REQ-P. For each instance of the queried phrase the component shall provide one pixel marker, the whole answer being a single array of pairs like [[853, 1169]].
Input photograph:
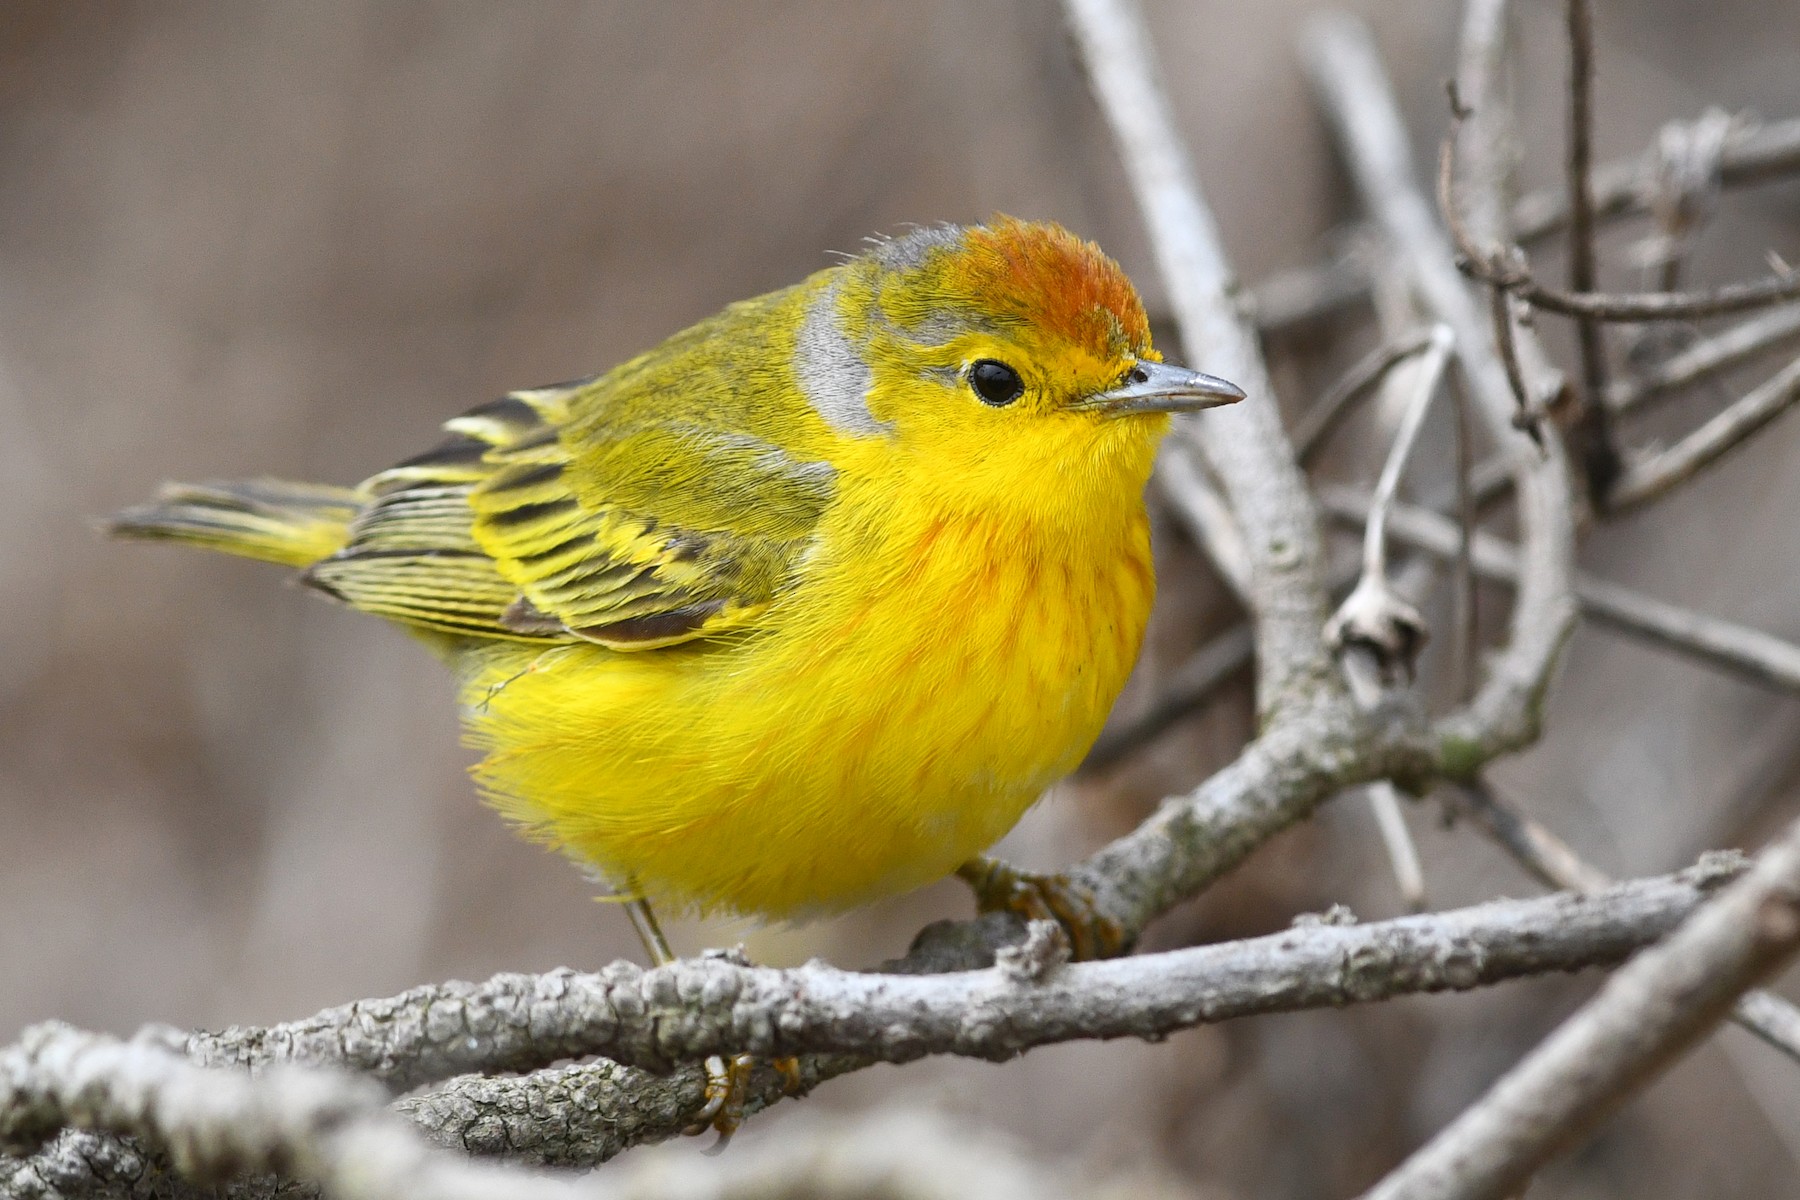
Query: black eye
[[995, 382]]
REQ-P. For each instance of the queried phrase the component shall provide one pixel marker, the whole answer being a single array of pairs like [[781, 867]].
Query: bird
[[801, 608]]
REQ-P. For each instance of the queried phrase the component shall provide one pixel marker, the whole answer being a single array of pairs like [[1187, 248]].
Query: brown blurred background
[[289, 239]]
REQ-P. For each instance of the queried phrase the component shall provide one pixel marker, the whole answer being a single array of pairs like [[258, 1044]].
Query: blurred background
[[259, 238]]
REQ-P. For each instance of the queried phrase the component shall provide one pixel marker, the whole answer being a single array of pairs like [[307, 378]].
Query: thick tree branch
[[330, 1133], [687, 1010]]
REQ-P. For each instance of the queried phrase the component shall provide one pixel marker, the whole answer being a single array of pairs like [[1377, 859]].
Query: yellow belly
[[888, 720]]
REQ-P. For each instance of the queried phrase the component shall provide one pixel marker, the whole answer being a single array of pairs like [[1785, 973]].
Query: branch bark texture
[[1643, 1018]]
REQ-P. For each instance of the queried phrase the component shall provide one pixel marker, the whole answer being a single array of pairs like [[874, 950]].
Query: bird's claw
[[1033, 897], [728, 1092]]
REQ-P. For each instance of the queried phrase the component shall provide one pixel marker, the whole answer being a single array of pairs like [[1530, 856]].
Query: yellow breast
[[939, 665]]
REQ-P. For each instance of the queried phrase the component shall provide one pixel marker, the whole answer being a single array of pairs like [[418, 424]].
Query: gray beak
[[1159, 387]]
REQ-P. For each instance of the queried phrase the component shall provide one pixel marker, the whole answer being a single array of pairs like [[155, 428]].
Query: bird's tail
[[296, 524]]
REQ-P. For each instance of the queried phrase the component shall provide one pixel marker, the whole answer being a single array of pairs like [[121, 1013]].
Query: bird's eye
[[995, 382]]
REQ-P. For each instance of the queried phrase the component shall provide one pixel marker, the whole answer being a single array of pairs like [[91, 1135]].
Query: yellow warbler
[[803, 607]]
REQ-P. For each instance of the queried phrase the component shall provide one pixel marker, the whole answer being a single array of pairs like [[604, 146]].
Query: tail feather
[[295, 524]]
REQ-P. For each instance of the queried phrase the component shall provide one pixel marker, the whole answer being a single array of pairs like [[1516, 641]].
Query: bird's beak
[[1160, 387]]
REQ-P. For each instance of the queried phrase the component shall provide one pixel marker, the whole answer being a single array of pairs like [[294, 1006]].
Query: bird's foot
[[1033, 897], [728, 1090], [727, 1079]]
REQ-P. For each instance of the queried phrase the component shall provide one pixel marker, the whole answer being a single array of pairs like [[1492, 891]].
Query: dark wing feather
[[507, 531]]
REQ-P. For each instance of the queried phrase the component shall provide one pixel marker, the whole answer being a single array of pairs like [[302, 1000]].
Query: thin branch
[[1592, 431], [1465, 615], [1656, 476], [1355, 385], [1545, 857], [1248, 452], [1303, 295], [1397, 841], [1196, 500], [1750, 155], [1506, 712], [1429, 374], [1717, 353], [1724, 645], [1195, 682], [1528, 415], [1375, 623], [1645, 1017], [1722, 301], [1372, 616], [1554, 863]]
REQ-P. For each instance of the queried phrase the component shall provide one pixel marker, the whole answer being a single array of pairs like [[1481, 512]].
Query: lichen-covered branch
[[684, 1011], [298, 1132]]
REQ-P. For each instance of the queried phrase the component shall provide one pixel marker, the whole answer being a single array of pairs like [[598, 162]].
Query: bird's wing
[[561, 513]]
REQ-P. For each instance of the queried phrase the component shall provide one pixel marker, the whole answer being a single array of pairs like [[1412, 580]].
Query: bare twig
[[1592, 430], [1717, 353], [1354, 385], [1656, 476], [1373, 617], [1196, 500], [1396, 840], [1503, 265], [1465, 617], [1552, 862], [1249, 454], [1751, 154], [1517, 278], [1192, 684], [1644, 1017], [1429, 374], [1506, 711], [1718, 643], [1545, 857]]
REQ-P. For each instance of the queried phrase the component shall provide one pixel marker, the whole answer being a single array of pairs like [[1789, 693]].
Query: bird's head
[[995, 350]]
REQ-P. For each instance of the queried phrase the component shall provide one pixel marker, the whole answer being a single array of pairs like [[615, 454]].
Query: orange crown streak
[[1063, 283]]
